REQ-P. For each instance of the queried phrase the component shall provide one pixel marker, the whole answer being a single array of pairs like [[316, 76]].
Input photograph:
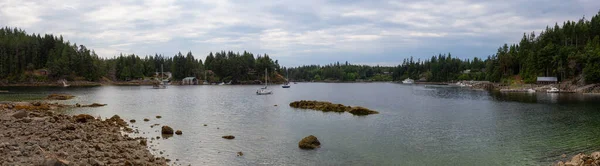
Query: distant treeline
[[34, 58], [568, 52]]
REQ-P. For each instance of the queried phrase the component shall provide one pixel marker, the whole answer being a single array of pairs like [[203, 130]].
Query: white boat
[[162, 83], [553, 90], [530, 91], [65, 83], [265, 90], [408, 81]]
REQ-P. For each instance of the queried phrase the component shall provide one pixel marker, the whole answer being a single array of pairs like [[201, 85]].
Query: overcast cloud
[[295, 32]]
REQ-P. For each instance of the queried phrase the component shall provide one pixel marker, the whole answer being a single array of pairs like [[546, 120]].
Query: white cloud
[[287, 28]]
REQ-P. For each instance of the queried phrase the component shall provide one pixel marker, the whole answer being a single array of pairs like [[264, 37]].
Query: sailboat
[[265, 90], [162, 84], [287, 80]]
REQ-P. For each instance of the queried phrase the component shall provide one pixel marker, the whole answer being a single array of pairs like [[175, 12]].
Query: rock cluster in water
[[310, 142], [42, 137], [581, 160], [59, 97], [330, 107]]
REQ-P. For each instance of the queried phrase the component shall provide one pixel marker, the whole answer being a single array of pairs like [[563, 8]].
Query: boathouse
[[189, 81], [547, 80]]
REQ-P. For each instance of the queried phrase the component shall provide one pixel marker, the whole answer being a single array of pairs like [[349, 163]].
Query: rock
[[228, 137], [166, 130], [68, 127], [595, 156], [36, 103], [94, 105], [563, 156], [83, 118], [55, 162], [144, 142], [158, 117], [576, 160], [132, 121], [20, 114], [361, 111], [59, 97], [95, 162], [560, 163], [205, 125], [330, 107], [178, 132], [275, 105], [146, 119], [310, 142], [240, 154]]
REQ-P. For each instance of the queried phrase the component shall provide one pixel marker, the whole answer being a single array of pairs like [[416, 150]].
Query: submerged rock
[[59, 97], [166, 130], [93, 105], [310, 142], [330, 107], [228, 137]]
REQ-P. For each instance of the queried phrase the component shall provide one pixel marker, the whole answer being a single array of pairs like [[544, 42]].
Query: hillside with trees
[[36, 58], [570, 51]]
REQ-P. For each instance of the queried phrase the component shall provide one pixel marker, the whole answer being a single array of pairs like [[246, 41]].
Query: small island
[[331, 107]]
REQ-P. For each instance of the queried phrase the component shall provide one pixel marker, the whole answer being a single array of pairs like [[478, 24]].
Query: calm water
[[417, 125]]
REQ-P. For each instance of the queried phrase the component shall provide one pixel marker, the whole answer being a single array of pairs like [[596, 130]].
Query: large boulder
[[166, 130], [310, 142]]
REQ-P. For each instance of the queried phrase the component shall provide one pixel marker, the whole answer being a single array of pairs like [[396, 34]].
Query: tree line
[[23, 56], [568, 52]]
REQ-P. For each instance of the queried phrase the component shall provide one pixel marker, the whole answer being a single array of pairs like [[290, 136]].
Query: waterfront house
[[189, 81], [547, 80]]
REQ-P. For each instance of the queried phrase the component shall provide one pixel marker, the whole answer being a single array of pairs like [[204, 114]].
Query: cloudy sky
[[294, 31]]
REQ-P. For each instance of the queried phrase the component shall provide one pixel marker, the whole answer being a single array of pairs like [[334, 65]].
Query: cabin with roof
[[189, 81], [547, 80]]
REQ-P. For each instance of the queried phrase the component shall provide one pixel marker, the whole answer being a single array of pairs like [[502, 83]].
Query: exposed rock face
[[178, 132], [330, 107], [228, 137], [310, 142], [49, 138], [59, 97], [166, 130]]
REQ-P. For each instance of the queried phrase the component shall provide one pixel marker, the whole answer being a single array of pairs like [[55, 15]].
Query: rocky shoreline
[[33, 134], [581, 159]]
